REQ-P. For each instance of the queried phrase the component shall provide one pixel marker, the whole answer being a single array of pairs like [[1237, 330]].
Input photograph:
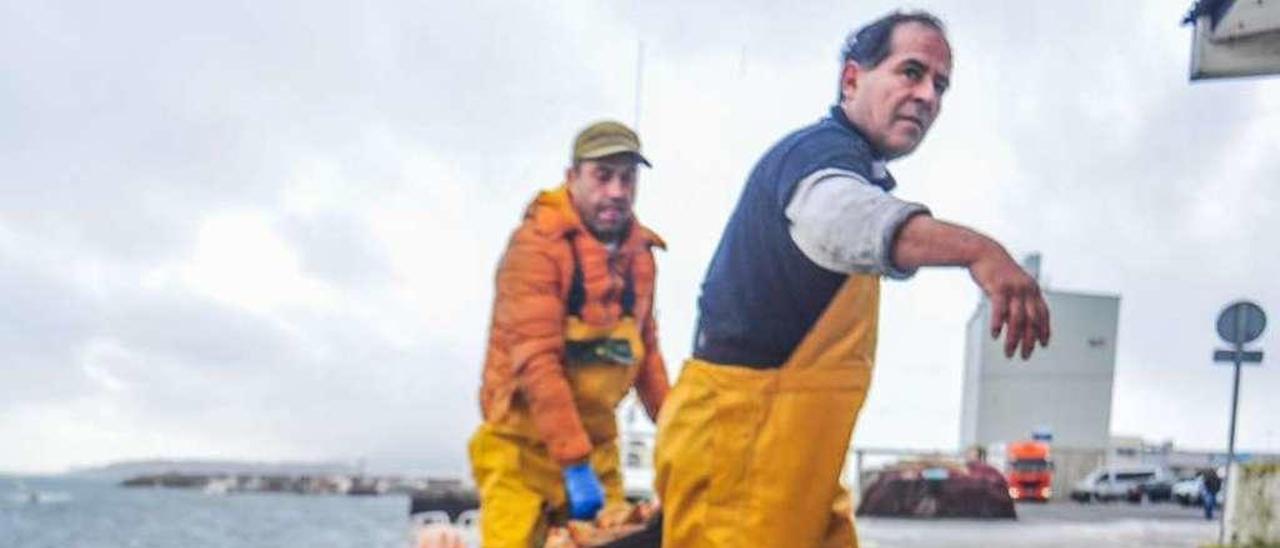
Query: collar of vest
[[836, 114], [880, 175], [553, 214]]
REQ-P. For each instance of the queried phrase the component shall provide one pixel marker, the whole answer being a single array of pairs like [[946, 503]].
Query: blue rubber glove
[[586, 495]]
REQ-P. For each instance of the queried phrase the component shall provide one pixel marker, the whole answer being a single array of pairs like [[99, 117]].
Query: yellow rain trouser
[[520, 486], [752, 457]]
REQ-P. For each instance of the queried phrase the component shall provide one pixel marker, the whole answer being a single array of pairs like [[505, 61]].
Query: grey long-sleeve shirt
[[843, 223]]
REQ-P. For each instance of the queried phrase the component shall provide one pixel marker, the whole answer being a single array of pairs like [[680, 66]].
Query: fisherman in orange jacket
[[572, 332]]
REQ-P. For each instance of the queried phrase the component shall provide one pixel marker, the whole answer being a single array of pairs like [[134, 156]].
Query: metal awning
[[1234, 39]]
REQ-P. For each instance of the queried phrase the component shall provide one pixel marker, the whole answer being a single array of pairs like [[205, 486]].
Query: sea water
[[69, 512]]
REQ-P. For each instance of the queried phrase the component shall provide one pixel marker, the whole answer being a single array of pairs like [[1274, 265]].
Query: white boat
[[219, 486]]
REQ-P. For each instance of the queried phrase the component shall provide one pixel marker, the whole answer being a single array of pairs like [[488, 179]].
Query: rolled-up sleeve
[[843, 223]]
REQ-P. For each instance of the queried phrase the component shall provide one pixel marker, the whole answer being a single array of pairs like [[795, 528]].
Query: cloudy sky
[[255, 231]]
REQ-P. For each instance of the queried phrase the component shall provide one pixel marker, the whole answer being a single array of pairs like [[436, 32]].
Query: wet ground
[[1056, 525]]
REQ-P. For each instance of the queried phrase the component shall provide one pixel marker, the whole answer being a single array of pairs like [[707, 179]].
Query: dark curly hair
[[869, 45]]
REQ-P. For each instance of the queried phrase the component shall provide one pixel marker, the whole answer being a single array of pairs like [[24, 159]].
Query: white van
[[1118, 482]]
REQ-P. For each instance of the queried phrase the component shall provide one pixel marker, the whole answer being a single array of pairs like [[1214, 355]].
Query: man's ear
[[849, 78]]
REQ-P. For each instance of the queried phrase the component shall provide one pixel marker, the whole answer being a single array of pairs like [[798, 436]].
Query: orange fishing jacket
[[524, 371]]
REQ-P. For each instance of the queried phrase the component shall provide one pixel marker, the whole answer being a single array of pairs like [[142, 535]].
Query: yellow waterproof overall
[[519, 484], [752, 457]]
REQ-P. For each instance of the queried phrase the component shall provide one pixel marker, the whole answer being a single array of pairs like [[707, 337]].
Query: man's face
[[894, 103], [603, 191]]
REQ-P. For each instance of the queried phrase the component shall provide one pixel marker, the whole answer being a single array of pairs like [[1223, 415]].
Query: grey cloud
[[194, 332], [40, 315], [339, 248]]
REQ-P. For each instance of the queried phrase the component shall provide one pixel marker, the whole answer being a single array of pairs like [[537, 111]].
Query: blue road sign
[[1241, 322], [1231, 356]]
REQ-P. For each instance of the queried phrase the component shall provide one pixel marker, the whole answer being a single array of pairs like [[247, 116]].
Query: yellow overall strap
[[752, 457], [800, 451]]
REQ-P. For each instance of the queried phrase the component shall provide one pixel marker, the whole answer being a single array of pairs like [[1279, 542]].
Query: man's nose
[[615, 188], [927, 95]]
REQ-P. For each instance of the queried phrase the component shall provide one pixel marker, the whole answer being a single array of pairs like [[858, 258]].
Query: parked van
[[1117, 483]]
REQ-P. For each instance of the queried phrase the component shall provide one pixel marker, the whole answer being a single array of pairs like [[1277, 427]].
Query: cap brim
[[612, 150]]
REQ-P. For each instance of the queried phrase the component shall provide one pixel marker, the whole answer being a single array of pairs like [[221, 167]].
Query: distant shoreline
[[305, 484]]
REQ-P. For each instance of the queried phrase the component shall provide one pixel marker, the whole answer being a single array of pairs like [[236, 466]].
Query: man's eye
[[913, 73]]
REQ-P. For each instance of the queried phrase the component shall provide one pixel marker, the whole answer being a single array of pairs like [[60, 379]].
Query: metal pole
[[857, 474], [1231, 435], [639, 79], [1231, 449], [635, 18]]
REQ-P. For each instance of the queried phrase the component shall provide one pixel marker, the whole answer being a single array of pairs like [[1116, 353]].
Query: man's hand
[[585, 493], [1016, 301]]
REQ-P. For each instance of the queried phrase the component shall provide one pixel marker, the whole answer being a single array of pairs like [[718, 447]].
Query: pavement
[[1063, 524]]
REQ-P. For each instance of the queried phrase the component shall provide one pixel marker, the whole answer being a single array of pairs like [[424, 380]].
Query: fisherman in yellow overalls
[[753, 437], [572, 333]]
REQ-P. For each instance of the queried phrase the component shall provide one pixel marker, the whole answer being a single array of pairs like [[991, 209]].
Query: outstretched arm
[[1017, 305]]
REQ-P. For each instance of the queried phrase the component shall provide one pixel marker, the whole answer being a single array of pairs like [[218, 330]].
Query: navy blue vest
[[761, 294]]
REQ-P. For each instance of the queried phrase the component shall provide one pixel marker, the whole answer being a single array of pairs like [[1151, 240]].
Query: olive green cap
[[607, 138]]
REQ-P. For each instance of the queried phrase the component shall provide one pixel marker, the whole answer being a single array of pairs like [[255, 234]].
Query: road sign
[[1241, 322], [1232, 356]]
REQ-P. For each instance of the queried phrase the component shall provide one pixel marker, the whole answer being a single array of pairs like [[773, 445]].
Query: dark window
[[1030, 465]]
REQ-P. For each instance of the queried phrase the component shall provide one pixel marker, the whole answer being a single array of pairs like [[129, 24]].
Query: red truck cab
[[1029, 470]]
